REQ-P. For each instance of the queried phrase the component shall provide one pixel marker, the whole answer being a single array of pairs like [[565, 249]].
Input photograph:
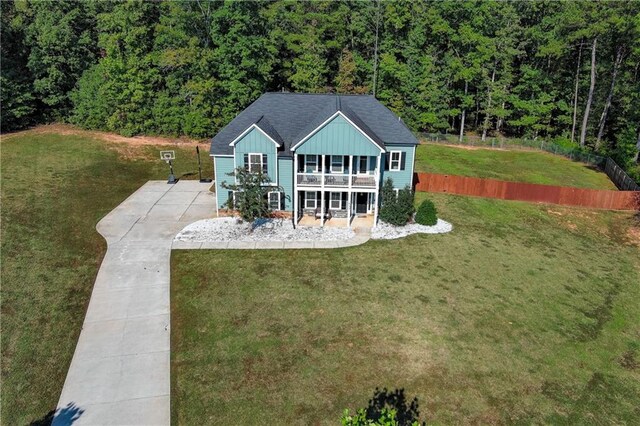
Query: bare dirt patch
[[472, 147], [66, 129], [633, 235]]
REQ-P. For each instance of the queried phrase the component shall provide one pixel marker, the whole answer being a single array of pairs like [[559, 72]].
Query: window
[[364, 162], [274, 200], [336, 201], [255, 162], [337, 164], [310, 201], [396, 160], [311, 162]]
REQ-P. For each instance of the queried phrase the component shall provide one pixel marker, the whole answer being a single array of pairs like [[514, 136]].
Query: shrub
[[396, 209], [387, 418], [426, 214], [405, 202]]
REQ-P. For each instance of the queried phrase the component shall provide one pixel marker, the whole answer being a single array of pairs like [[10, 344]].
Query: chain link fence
[[617, 175]]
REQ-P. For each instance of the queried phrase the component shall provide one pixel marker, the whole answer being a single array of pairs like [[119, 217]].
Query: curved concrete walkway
[[119, 373]]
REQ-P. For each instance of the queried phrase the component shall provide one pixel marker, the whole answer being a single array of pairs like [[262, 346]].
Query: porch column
[[375, 209], [349, 207], [377, 193], [322, 207], [349, 185], [295, 189]]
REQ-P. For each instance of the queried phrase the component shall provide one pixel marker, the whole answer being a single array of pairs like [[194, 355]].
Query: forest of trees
[[563, 71]]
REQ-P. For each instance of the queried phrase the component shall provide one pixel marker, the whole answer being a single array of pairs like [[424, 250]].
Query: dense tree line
[[563, 70]]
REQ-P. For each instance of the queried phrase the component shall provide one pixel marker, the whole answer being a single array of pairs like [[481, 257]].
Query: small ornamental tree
[[251, 194], [426, 214], [396, 209]]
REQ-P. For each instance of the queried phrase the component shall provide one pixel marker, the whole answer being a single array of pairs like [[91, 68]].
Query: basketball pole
[[172, 178], [199, 163], [200, 167]]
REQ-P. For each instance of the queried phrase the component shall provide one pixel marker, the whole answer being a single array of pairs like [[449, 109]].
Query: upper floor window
[[255, 162], [311, 163], [395, 160], [363, 165], [337, 164]]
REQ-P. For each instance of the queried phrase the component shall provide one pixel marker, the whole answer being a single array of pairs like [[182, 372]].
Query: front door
[[362, 199]]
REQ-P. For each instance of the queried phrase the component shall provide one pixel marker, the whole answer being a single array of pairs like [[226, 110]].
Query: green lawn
[[523, 314], [54, 190], [520, 166]]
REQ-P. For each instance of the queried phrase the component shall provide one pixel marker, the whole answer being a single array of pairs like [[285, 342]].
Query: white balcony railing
[[313, 179], [363, 181], [335, 180]]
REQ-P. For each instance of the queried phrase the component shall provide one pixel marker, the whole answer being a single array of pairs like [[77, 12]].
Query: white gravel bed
[[233, 229], [384, 231]]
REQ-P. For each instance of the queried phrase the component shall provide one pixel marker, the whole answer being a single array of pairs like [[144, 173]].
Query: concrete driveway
[[119, 373]]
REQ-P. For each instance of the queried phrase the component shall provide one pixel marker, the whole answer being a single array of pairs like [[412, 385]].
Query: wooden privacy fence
[[564, 195]]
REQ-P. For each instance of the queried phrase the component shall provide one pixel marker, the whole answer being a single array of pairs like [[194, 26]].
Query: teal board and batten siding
[[285, 180], [222, 166], [338, 137], [256, 142], [404, 177]]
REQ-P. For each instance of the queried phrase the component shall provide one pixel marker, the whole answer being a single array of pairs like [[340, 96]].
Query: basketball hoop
[[168, 157]]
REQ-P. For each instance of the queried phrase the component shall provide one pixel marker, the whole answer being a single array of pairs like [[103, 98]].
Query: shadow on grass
[[407, 412], [60, 417]]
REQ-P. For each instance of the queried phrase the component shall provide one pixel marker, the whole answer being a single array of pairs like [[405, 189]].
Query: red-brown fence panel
[[564, 195]]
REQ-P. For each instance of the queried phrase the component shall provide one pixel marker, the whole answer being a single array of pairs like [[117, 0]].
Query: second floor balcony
[[336, 180], [337, 170]]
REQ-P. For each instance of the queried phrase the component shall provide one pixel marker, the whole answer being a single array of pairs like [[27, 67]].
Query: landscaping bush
[[426, 214], [396, 209], [405, 202], [387, 418]]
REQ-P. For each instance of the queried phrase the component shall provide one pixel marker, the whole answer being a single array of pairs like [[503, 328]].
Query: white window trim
[[306, 156], [279, 194], [391, 160], [307, 199], [339, 200], [341, 170], [259, 154]]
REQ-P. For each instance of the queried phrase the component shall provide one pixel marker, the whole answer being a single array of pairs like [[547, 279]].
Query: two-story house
[[326, 155]]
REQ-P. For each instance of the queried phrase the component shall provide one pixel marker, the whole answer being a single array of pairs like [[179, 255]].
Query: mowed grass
[[54, 190], [519, 166], [523, 314]]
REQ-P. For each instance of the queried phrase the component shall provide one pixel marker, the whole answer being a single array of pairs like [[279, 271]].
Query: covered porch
[[336, 208]]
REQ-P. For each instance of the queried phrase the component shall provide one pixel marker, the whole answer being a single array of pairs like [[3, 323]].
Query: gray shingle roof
[[289, 117]]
